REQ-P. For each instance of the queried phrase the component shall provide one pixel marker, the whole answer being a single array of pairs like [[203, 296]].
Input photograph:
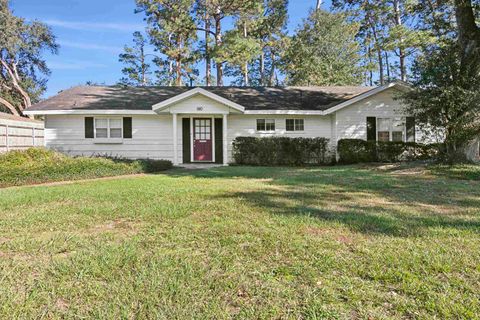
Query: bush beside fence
[[281, 151]]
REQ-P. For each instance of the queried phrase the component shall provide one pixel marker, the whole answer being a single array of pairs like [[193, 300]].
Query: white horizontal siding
[[246, 126], [351, 121], [151, 138]]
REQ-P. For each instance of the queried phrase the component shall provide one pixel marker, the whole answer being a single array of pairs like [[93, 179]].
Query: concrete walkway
[[194, 166]]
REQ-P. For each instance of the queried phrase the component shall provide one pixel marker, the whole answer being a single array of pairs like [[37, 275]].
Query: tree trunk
[[468, 36], [15, 78], [262, 68], [401, 52], [380, 66], [370, 72], [170, 72], [208, 62], [378, 49], [272, 70], [178, 72], [218, 42], [245, 66], [9, 106], [319, 4], [144, 71], [387, 64]]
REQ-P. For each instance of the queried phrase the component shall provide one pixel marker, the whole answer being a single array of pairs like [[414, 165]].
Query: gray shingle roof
[[252, 98]]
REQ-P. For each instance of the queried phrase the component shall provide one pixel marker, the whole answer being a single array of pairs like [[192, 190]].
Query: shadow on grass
[[362, 199]]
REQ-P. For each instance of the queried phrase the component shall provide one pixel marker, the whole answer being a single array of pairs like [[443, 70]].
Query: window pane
[[290, 124], [115, 133], [299, 125], [101, 133], [260, 124], [269, 124], [383, 124], [383, 135], [101, 123], [397, 135], [115, 123], [398, 124]]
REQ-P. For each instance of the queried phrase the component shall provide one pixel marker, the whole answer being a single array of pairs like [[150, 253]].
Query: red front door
[[202, 139]]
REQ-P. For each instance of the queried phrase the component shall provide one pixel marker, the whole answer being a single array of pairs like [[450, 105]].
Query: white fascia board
[[165, 104], [287, 112], [400, 85], [93, 112]]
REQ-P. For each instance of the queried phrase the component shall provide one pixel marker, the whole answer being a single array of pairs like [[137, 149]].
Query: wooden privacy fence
[[20, 135]]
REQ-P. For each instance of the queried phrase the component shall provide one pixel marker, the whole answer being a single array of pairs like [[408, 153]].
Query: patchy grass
[[38, 165], [318, 243], [461, 171]]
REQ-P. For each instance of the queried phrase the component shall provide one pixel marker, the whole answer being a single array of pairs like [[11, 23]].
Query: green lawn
[[318, 243]]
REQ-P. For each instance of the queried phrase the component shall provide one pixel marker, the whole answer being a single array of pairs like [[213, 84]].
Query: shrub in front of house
[[39, 165], [361, 151], [281, 151]]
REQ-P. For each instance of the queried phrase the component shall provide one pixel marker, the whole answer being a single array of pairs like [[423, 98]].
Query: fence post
[[6, 137], [33, 136]]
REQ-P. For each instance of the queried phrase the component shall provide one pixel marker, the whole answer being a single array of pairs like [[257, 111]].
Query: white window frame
[[295, 125], [390, 127], [266, 131], [108, 138]]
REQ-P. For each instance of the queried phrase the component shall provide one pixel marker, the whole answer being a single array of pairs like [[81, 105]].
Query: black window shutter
[[89, 133], [186, 140], [410, 126], [371, 129], [218, 140], [127, 127]]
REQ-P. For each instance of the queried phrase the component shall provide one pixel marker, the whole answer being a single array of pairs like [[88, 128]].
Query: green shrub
[[361, 151], [38, 165], [281, 151], [152, 166]]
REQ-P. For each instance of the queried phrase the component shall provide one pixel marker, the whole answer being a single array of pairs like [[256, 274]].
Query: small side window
[[294, 124], [266, 125]]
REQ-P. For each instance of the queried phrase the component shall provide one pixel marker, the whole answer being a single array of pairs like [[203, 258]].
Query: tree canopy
[[22, 67]]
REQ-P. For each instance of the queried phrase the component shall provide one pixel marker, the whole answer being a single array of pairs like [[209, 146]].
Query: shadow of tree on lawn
[[362, 199]]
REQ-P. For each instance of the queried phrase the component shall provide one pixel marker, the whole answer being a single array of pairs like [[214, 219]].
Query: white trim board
[[89, 112]]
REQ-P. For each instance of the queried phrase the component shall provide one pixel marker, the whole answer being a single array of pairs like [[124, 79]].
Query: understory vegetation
[[361, 151], [341, 242], [38, 165]]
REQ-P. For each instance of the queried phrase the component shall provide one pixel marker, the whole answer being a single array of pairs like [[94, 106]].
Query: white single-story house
[[199, 124]]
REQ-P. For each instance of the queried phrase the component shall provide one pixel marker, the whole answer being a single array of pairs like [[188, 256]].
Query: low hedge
[[39, 165], [358, 151], [275, 151]]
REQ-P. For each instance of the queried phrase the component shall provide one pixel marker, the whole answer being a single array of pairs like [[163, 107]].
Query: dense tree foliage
[[323, 52], [446, 82], [21, 64], [137, 68]]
